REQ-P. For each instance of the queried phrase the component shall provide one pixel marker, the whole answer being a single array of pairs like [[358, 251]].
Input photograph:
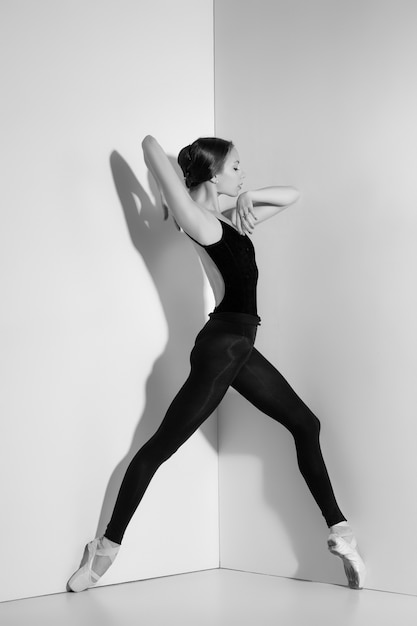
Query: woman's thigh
[[215, 360], [263, 385]]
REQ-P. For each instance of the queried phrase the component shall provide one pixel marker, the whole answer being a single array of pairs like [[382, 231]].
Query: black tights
[[224, 356]]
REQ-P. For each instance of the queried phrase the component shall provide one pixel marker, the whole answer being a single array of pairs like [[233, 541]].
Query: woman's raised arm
[[186, 212], [258, 205]]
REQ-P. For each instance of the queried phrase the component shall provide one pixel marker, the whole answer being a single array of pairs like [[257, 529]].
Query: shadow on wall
[[174, 268]]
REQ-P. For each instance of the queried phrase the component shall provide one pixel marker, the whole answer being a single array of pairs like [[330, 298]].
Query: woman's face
[[230, 178]]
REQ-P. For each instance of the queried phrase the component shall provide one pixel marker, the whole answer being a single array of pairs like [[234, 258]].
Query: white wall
[[100, 299], [95, 340], [322, 95]]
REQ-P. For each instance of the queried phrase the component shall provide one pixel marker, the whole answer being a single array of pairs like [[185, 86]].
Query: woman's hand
[[243, 216]]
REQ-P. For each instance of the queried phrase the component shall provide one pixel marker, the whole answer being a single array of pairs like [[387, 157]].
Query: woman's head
[[203, 159]]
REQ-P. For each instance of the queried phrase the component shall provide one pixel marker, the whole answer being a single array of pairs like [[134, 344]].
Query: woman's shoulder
[[209, 228]]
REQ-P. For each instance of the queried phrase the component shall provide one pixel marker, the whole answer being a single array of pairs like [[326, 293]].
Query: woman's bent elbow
[[294, 196], [147, 141]]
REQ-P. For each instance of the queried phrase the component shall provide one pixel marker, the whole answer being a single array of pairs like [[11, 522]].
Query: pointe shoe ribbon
[[355, 569], [85, 576]]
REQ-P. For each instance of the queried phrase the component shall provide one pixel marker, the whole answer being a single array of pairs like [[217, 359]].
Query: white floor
[[216, 597]]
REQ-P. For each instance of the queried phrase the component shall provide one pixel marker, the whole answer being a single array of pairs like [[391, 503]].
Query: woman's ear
[[214, 180]]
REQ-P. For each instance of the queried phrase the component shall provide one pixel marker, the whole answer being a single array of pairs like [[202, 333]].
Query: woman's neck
[[206, 196]]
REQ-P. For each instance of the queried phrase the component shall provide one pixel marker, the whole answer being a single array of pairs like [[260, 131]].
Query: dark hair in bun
[[203, 159]]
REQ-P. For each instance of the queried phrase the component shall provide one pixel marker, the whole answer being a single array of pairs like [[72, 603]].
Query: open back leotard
[[234, 257]]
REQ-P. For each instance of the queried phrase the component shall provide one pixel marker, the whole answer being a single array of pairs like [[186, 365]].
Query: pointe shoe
[[85, 576], [355, 569]]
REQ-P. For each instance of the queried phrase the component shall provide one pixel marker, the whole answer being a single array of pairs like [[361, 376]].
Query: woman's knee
[[306, 424], [150, 457]]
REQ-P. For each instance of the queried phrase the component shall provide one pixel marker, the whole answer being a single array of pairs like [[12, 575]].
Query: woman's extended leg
[[215, 360], [220, 351], [261, 383]]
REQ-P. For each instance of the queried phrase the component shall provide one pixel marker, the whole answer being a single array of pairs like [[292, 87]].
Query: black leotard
[[234, 256]]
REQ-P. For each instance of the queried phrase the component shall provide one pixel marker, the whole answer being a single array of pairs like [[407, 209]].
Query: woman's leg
[[262, 384], [215, 360], [266, 388], [220, 351]]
